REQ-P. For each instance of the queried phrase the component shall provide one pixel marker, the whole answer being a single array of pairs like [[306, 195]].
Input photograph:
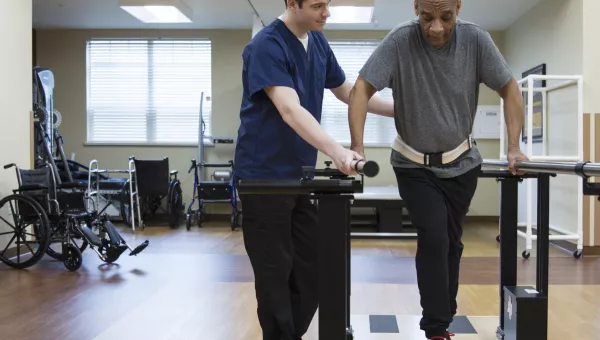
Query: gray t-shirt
[[436, 91]]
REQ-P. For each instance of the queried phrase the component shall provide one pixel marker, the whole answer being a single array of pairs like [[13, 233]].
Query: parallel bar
[[566, 168], [555, 158], [336, 186]]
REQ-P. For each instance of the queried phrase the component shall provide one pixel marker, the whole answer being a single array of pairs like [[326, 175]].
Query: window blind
[[147, 91], [379, 130]]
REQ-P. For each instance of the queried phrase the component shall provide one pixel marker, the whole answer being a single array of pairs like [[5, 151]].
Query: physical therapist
[[286, 68]]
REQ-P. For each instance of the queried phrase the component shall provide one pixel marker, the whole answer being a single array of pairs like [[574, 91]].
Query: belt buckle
[[433, 159]]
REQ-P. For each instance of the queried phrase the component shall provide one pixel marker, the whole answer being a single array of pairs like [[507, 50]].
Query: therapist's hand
[[343, 159]]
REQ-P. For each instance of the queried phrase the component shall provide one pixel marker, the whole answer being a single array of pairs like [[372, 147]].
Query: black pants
[[437, 208], [280, 236]]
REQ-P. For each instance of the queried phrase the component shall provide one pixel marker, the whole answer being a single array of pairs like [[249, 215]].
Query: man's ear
[[417, 7], [458, 6]]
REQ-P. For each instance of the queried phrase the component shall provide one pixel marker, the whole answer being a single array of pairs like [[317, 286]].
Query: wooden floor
[[199, 285]]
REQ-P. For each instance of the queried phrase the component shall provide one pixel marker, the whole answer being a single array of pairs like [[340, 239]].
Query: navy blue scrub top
[[267, 147]]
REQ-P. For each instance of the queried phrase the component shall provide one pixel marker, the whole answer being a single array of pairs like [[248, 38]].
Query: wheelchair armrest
[[71, 185], [174, 172], [31, 187]]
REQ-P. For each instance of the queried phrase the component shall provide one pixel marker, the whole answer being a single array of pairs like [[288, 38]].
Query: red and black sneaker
[[445, 337]]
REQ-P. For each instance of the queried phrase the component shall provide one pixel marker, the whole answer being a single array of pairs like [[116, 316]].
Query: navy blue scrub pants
[[437, 208], [280, 236]]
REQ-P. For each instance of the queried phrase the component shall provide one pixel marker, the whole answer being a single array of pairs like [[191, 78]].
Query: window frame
[[207, 100]]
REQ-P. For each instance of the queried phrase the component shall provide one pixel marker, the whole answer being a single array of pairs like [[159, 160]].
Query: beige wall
[[63, 51], [591, 69], [16, 99], [591, 56], [552, 33]]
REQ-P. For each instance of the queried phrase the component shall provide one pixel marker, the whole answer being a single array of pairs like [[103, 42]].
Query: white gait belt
[[431, 159]]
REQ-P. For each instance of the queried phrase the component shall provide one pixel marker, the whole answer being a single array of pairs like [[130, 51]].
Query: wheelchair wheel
[[188, 222], [25, 247], [175, 203], [73, 258], [235, 220], [56, 239]]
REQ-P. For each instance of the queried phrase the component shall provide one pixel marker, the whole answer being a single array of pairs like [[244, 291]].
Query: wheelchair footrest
[[115, 237], [114, 252], [91, 237], [139, 248]]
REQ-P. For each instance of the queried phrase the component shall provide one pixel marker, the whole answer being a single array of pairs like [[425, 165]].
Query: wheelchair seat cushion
[[77, 213], [33, 186], [113, 184], [71, 185]]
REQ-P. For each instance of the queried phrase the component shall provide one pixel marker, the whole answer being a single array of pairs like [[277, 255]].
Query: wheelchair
[[47, 211], [151, 182]]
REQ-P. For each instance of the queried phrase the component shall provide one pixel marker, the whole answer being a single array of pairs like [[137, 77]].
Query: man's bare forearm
[[381, 106], [376, 105], [357, 111], [513, 114]]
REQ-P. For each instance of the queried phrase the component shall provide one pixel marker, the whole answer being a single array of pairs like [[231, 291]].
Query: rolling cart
[[221, 189]]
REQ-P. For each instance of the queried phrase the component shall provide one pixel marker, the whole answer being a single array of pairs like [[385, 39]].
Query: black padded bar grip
[[9, 165], [194, 164], [367, 168]]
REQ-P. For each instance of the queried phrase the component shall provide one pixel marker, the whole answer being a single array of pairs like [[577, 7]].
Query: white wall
[[591, 56], [15, 94], [552, 33], [257, 25]]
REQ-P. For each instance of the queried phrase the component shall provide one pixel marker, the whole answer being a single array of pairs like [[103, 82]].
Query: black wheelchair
[[151, 182], [46, 211]]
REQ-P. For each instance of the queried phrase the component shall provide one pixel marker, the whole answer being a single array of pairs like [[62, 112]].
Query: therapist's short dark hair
[[298, 1]]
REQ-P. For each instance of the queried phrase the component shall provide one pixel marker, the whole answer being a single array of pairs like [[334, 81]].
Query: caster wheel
[[73, 258], [526, 254], [577, 254], [188, 222], [498, 238], [236, 219], [233, 220]]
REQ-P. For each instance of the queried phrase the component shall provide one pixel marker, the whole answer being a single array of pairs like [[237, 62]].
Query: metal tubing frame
[[567, 80], [133, 195], [582, 169]]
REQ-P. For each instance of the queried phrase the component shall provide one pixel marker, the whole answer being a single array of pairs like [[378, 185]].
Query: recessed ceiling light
[[158, 11], [350, 14]]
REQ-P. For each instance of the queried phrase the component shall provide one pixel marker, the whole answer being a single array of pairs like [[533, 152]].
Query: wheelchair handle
[[193, 165], [9, 165]]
